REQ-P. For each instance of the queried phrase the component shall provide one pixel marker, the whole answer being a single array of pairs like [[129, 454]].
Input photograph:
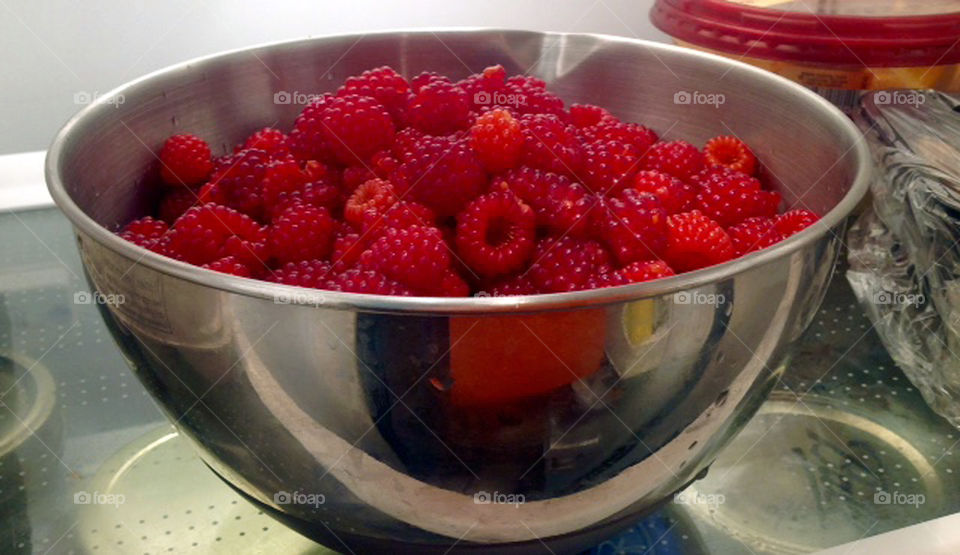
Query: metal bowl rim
[[460, 305]]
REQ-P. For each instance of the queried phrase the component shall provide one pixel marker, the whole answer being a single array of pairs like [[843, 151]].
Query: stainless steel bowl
[[333, 411]]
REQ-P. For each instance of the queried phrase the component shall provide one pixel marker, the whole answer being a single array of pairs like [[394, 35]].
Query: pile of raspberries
[[429, 187]]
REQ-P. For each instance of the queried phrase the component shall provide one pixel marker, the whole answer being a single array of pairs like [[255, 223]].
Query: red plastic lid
[[870, 33]]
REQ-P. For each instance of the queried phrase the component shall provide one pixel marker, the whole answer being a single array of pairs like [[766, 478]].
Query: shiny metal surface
[[341, 403]]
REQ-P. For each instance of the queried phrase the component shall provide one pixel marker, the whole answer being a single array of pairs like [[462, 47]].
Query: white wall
[[51, 50]]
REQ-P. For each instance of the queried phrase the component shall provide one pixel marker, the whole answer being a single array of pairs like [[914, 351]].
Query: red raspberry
[[229, 265], [634, 226], [400, 215], [529, 96], [497, 140], [376, 195], [355, 127], [610, 128], [510, 286], [608, 165], [480, 87], [753, 234], [206, 233], [645, 270], [451, 285], [175, 202], [416, 256], [270, 140], [730, 152], [424, 79], [280, 178], [308, 138], [677, 158], [319, 194], [562, 207], [185, 160], [385, 85], [442, 175], [567, 264], [729, 197], [144, 232], [695, 241], [439, 108], [370, 282], [302, 232], [550, 144], [305, 273], [795, 221], [237, 183], [675, 195], [381, 165], [586, 115], [348, 245], [495, 234]]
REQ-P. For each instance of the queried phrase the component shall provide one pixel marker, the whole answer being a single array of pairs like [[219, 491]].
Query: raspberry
[[567, 264], [206, 233], [175, 202], [634, 226], [376, 195], [645, 270], [695, 241], [424, 79], [480, 87], [416, 256], [319, 194], [549, 144], [608, 165], [381, 165], [229, 265], [144, 232], [185, 160], [610, 128], [586, 115], [794, 221], [677, 158], [730, 152], [753, 234], [675, 195], [442, 175], [562, 207], [439, 108], [400, 215], [355, 127], [388, 87], [280, 178], [308, 138], [729, 197], [270, 140], [237, 183], [497, 140], [305, 273], [495, 234], [302, 232], [530, 96], [348, 245], [371, 282], [511, 286], [451, 285]]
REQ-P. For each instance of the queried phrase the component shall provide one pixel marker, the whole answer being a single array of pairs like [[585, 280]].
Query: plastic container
[[836, 47]]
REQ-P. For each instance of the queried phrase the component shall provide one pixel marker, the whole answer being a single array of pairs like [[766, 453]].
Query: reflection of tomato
[[504, 358]]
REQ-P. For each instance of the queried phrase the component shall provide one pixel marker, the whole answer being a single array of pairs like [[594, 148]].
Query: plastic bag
[[904, 255]]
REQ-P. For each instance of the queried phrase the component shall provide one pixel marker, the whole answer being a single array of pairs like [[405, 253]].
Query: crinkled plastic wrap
[[904, 254]]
